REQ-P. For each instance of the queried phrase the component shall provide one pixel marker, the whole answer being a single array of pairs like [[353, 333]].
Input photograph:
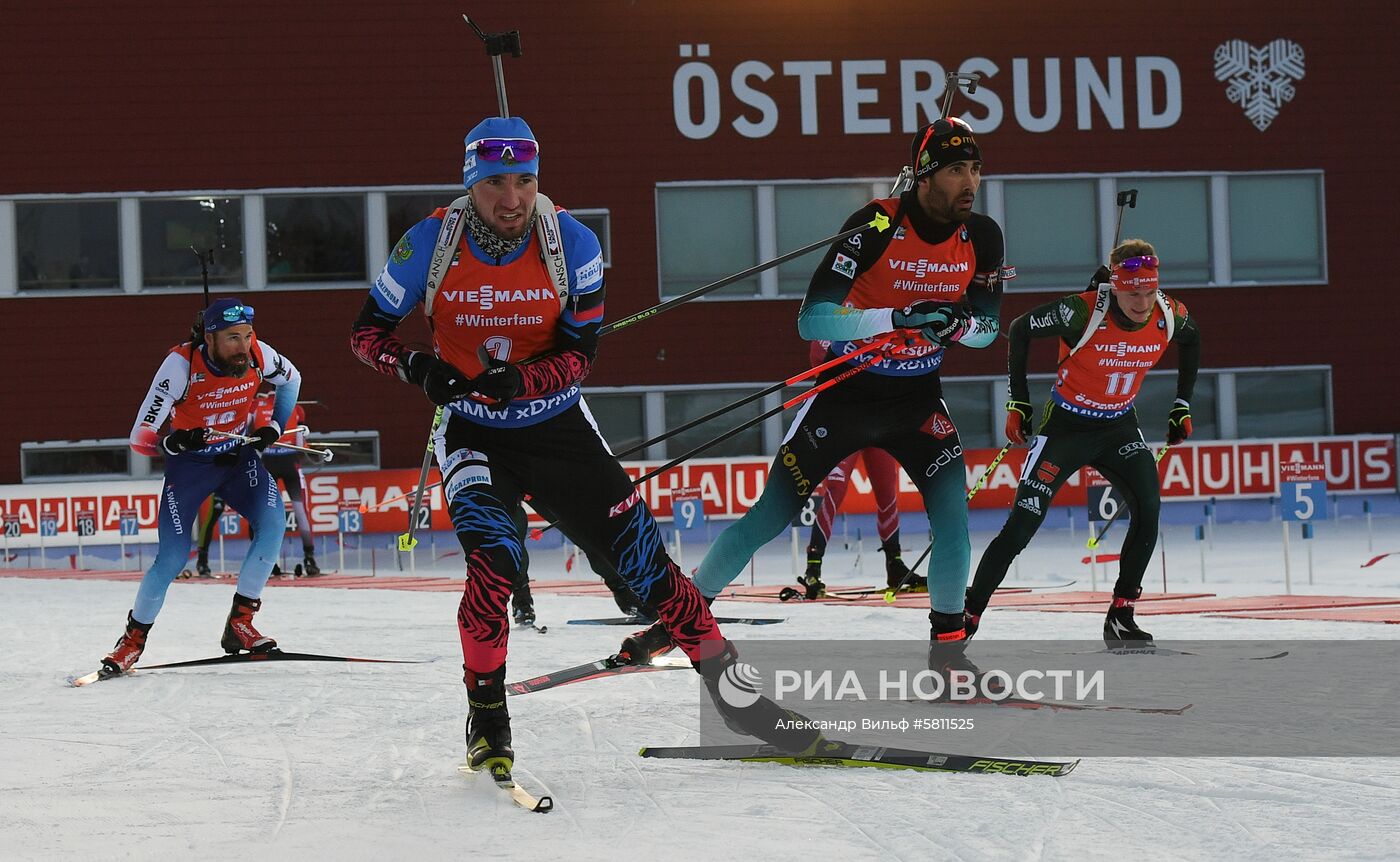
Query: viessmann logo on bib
[[488, 297]]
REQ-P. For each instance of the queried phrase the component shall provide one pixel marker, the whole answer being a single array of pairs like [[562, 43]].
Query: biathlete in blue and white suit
[[210, 386], [513, 291]]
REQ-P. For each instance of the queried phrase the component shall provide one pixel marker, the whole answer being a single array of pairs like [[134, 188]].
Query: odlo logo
[[944, 457], [739, 684]]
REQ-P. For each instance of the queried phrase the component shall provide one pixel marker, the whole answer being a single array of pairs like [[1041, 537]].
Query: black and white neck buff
[[488, 240]]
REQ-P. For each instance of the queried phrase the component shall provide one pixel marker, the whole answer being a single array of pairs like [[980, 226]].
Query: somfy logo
[[738, 685], [1259, 80]]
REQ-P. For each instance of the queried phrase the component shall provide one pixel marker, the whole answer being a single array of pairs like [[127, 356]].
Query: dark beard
[[224, 366], [488, 240]]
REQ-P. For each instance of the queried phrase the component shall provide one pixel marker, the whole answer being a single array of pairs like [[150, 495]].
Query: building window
[[621, 420], [804, 214], [707, 233], [361, 453], [171, 228], [1052, 233], [600, 222], [1154, 403], [681, 407], [315, 238], [1276, 228], [1173, 215], [407, 210], [969, 406], [67, 245], [57, 460], [1282, 403]]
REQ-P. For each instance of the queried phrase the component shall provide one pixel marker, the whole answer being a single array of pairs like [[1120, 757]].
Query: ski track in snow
[[297, 761]]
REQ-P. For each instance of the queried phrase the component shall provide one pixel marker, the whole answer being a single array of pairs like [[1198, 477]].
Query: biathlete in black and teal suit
[[934, 274]]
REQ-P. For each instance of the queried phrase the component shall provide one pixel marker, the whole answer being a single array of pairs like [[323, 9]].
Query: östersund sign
[[703, 93]]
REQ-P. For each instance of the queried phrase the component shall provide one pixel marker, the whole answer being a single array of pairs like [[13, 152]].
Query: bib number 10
[[214, 420]]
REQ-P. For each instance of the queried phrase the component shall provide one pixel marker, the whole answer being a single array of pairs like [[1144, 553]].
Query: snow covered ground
[[323, 761]]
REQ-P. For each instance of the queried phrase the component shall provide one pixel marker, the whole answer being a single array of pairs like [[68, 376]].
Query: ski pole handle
[[324, 453]]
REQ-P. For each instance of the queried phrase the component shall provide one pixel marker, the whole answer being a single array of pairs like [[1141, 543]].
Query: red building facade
[[629, 99]]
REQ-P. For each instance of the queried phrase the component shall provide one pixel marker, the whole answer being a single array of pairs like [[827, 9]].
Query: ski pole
[[1126, 198], [303, 429], [908, 576], [1094, 540], [324, 453], [982, 480], [977, 486], [880, 222], [714, 414], [776, 387], [406, 540], [791, 402]]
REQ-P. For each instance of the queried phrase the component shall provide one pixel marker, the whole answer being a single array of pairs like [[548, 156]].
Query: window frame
[[378, 243], [144, 467], [992, 201]]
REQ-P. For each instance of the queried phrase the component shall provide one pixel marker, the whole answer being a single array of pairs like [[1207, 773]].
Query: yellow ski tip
[[881, 222], [407, 542]]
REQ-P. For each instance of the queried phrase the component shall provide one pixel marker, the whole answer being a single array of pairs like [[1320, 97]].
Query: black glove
[[950, 323], [264, 437], [920, 314], [500, 382], [441, 382], [1178, 423], [1100, 276], [185, 440]]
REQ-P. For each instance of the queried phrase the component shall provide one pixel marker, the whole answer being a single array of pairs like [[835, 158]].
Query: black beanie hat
[[941, 143]]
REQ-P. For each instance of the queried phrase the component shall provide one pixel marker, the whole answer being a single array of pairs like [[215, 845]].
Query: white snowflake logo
[[1260, 80]]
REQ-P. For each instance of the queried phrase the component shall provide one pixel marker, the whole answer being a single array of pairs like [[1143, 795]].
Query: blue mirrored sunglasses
[[238, 314], [1133, 264], [509, 150]]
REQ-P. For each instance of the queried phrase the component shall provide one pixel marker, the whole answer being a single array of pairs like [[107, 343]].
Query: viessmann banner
[[729, 486]]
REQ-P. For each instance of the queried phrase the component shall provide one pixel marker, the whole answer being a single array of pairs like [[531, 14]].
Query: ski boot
[[239, 633], [811, 580], [523, 608], [488, 724], [747, 712], [276, 571], [1120, 630], [898, 576], [630, 605], [309, 567], [643, 646], [128, 648], [203, 570], [947, 657]]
